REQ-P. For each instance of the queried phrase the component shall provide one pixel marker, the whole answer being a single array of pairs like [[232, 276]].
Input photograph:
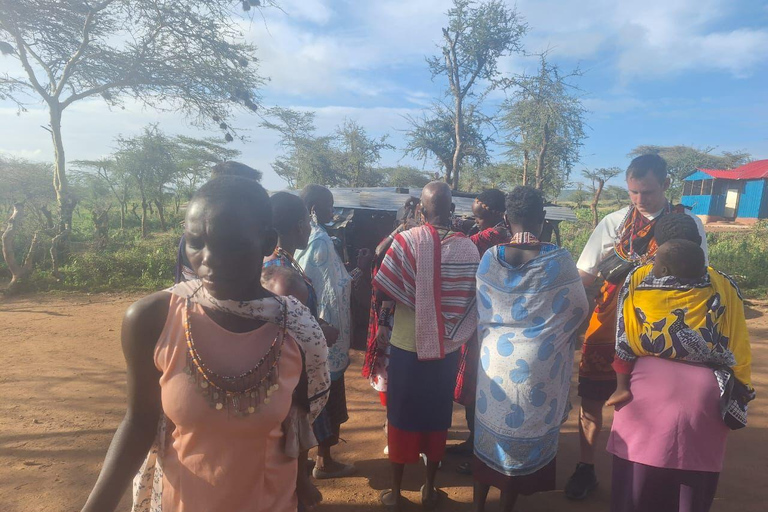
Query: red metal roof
[[751, 171]]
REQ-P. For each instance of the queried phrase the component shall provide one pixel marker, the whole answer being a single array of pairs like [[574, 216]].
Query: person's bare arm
[[142, 325], [623, 392], [587, 279]]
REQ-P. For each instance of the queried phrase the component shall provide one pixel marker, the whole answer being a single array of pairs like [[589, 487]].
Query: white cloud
[[314, 11]]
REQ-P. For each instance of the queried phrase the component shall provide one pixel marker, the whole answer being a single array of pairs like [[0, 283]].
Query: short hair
[[676, 225], [493, 200], [240, 192], [525, 205], [314, 194], [287, 211], [685, 259], [231, 168], [650, 163]]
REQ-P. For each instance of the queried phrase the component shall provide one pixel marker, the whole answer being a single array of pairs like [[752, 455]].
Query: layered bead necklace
[[242, 394]]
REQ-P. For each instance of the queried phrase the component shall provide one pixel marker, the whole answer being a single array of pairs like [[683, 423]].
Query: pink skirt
[[673, 420]]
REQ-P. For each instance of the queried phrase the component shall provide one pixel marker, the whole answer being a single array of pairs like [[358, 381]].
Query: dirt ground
[[62, 390]]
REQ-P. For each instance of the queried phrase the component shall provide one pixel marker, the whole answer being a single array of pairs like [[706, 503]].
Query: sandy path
[[62, 396]]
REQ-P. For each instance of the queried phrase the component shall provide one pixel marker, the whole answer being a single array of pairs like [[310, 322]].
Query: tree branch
[[22, 49], [90, 92], [76, 56], [43, 64]]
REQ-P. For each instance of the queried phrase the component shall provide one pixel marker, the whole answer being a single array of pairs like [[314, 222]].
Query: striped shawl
[[437, 280]]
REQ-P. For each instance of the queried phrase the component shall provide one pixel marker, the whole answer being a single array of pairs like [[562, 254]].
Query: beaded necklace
[[524, 238], [241, 394], [282, 253]]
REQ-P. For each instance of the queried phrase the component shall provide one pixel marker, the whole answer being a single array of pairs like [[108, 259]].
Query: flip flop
[[429, 502], [386, 499]]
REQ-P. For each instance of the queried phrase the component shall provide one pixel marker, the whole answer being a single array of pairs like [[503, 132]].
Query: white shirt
[[600, 243]]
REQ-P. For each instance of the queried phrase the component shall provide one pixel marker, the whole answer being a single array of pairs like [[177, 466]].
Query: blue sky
[[657, 72]]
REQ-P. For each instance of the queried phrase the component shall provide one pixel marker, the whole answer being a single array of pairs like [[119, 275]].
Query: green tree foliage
[[492, 175], [358, 154], [684, 160], [308, 158], [432, 136], [544, 120], [348, 157], [476, 37], [404, 176], [186, 56]]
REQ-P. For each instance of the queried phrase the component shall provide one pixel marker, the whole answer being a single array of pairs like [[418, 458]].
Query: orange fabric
[[600, 339], [214, 461]]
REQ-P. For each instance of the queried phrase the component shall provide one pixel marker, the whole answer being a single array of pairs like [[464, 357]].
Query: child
[[299, 437], [678, 308]]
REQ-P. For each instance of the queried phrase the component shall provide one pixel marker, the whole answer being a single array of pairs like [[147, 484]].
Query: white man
[[621, 241]]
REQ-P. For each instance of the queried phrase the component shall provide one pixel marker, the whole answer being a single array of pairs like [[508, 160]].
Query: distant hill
[[565, 194]]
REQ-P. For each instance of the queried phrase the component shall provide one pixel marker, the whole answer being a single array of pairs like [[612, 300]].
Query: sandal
[[392, 503], [429, 500]]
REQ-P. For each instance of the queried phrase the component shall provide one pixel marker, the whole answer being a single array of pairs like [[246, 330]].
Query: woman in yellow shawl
[[669, 431]]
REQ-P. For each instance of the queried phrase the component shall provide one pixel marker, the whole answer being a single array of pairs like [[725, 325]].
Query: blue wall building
[[738, 195]]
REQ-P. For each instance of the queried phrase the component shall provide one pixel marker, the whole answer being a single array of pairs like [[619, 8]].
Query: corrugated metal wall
[[751, 199], [700, 205]]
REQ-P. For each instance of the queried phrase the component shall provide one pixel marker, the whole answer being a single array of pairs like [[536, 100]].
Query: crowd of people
[[238, 371]]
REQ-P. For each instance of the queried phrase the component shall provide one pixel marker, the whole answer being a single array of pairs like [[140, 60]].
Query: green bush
[[140, 265], [742, 255]]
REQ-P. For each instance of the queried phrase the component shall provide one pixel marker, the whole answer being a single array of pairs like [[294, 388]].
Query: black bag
[[614, 269]]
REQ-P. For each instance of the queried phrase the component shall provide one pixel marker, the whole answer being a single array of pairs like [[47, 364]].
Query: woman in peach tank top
[[224, 382]]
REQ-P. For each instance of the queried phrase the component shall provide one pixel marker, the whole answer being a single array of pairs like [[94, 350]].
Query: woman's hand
[[330, 332], [619, 397]]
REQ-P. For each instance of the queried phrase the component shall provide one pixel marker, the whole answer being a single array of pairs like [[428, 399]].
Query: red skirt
[[405, 447]]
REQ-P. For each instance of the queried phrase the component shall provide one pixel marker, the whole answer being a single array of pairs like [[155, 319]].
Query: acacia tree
[[545, 121], [598, 178], [150, 160], [433, 136], [477, 36], [185, 56], [194, 159], [358, 154], [308, 157], [404, 176]]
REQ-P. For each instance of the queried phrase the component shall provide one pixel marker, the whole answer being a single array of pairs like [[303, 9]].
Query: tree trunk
[[18, 272], [143, 219], [135, 207], [101, 224], [542, 155], [64, 197], [458, 124], [596, 200], [123, 211], [161, 214], [526, 159], [48, 217]]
